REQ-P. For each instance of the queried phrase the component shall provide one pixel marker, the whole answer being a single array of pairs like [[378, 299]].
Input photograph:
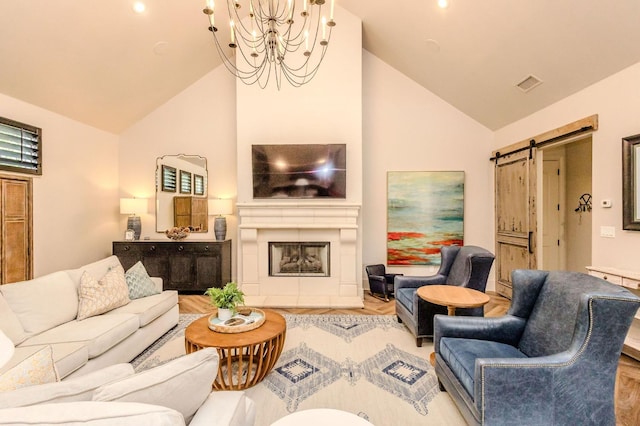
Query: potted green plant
[[226, 299]]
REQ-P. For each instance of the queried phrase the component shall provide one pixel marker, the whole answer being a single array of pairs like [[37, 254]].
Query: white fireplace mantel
[[335, 222]]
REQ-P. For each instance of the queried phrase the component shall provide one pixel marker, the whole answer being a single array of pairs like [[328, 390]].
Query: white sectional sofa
[[43, 311], [92, 355]]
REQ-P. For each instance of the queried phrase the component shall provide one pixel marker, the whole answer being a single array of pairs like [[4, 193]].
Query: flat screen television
[[299, 171]]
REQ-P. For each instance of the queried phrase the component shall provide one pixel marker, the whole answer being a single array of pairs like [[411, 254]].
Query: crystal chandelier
[[286, 38]]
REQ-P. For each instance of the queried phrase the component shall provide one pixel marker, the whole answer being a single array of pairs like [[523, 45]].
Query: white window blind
[[20, 147]]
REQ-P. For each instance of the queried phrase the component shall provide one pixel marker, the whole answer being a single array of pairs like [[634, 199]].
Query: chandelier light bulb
[[268, 43], [443, 4]]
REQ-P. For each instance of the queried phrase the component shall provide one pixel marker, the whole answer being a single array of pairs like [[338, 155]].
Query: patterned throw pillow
[[98, 297], [37, 369], [139, 282]]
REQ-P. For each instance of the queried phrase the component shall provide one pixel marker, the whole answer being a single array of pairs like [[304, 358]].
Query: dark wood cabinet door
[[190, 267], [16, 262]]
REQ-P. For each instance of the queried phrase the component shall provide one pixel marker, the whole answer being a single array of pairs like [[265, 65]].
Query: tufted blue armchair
[[551, 360], [466, 266]]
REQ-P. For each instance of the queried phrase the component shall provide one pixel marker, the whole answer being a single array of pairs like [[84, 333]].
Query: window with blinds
[[20, 147]]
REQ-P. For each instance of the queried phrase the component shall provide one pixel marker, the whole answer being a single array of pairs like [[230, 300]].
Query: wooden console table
[[187, 266]]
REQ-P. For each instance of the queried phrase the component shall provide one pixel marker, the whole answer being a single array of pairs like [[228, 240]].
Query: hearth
[[299, 259]]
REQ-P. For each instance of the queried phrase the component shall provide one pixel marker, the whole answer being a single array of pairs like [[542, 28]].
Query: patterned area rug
[[366, 365]]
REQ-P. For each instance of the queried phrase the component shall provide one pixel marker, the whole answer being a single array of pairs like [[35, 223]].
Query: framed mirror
[[631, 183], [181, 201]]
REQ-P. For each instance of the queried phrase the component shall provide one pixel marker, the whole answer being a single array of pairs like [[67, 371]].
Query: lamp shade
[[6, 349], [220, 206], [133, 205]]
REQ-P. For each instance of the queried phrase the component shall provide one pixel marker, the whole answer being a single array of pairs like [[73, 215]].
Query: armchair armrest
[[506, 329], [378, 278], [498, 379], [402, 281], [391, 277]]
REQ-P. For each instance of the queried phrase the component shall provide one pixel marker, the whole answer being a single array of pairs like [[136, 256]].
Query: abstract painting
[[425, 210]]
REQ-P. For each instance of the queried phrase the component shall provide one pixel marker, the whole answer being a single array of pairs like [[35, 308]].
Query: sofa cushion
[[461, 355], [99, 333], [77, 389], [44, 302], [229, 408], [405, 296], [68, 357], [182, 384], [149, 308], [90, 413], [96, 269], [37, 369], [139, 282], [10, 324], [98, 297]]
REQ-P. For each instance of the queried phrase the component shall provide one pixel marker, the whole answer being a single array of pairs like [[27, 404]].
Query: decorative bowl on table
[[244, 320], [177, 233]]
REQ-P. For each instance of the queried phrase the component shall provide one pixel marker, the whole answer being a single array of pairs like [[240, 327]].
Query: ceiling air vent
[[529, 83]]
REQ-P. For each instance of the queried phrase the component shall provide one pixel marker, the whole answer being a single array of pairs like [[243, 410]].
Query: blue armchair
[[551, 360], [466, 266]]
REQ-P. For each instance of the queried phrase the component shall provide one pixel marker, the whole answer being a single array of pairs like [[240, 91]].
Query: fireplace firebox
[[299, 259]]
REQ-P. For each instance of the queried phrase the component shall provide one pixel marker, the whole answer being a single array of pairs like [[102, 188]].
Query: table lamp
[[220, 207], [132, 207]]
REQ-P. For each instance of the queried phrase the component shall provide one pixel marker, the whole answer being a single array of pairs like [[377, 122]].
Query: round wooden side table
[[246, 357], [452, 297]]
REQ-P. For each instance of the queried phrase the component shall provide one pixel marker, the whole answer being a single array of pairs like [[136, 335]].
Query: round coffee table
[[246, 357], [452, 297], [321, 417]]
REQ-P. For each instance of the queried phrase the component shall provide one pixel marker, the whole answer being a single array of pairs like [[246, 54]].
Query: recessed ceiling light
[[139, 7], [443, 4]]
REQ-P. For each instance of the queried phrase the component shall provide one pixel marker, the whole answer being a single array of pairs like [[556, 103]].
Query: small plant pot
[[224, 314]]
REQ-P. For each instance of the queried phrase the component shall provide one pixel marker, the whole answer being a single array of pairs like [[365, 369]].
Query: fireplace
[[273, 232], [299, 259]]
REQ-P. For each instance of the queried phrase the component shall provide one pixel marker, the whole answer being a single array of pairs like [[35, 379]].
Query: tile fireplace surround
[[265, 222]]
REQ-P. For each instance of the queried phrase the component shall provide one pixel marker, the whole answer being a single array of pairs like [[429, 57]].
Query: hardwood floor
[[627, 393]]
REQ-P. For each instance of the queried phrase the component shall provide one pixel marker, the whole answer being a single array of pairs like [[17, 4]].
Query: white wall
[[198, 121], [578, 224], [326, 110], [75, 201], [408, 128], [616, 100]]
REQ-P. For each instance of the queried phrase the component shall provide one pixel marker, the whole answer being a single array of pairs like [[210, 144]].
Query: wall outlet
[[608, 231]]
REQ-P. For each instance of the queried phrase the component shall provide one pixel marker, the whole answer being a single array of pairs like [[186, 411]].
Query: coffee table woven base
[[245, 358]]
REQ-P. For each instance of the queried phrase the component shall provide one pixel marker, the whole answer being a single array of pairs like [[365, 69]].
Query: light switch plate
[[608, 231]]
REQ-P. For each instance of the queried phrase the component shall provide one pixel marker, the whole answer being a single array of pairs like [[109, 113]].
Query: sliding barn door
[[515, 195]]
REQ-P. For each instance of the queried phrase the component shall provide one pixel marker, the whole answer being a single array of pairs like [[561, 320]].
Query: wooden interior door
[[16, 225], [515, 203]]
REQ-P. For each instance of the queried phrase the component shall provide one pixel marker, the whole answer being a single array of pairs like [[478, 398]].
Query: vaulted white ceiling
[[102, 64]]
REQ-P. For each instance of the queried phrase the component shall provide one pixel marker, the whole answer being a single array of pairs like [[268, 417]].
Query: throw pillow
[[182, 384], [98, 297], [75, 389], [139, 282], [37, 369]]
